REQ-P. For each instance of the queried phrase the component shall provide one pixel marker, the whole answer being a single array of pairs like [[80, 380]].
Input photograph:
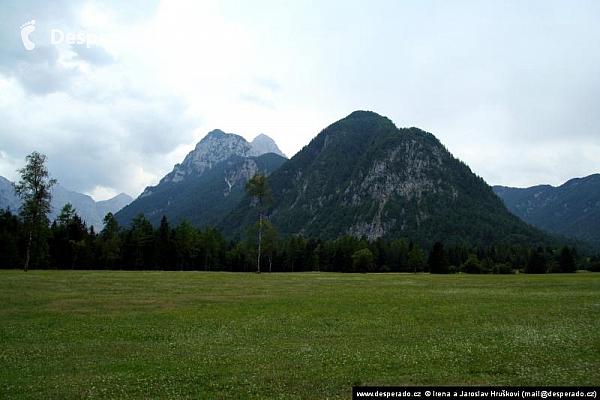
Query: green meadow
[[78, 334]]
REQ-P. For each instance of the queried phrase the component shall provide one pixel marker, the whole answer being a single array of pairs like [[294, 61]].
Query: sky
[[115, 93]]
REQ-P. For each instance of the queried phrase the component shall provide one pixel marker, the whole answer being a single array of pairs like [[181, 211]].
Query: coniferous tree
[[344, 247], [163, 241], [141, 243], [566, 260], [111, 247], [10, 229], [537, 262], [398, 258], [187, 240], [69, 238], [438, 261]]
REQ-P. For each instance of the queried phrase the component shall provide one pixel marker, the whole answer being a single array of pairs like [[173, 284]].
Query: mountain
[[572, 209], [206, 186], [264, 144], [362, 176], [112, 205], [90, 211], [8, 199]]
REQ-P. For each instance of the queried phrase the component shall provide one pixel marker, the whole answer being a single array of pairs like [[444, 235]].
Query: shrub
[[504, 269]]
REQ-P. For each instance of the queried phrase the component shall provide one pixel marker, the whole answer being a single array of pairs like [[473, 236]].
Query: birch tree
[[34, 189], [257, 188]]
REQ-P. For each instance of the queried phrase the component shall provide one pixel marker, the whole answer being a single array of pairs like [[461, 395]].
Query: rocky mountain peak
[[215, 147], [206, 185], [217, 133], [264, 144]]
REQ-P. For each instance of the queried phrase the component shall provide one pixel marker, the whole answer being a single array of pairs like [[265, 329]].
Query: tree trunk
[[26, 266], [259, 239]]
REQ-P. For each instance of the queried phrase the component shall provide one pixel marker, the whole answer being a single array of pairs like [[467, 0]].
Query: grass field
[[66, 334]]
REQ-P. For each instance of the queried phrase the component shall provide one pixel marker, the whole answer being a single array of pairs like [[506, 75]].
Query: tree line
[[29, 240], [69, 244]]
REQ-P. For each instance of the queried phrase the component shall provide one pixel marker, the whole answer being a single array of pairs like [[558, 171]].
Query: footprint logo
[[26, 29]]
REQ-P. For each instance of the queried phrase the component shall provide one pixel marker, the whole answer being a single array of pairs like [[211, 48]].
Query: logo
[[88, 39], [26, 29]]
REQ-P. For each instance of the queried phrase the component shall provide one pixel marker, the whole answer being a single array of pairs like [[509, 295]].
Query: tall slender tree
[[257, 188], [438, 259], [34, 189], [271, 239], [566, 260], [163, 244], [111, 246]]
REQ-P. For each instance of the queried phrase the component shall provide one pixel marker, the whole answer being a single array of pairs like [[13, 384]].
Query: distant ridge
[[90, 211], [571, 209]]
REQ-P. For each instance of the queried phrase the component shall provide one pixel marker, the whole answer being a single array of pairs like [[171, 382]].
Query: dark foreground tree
[[10, 234], [566, 260], [68, 241], [34, 189], [257, 188], [438, 260], [110, 242], [537, 262]]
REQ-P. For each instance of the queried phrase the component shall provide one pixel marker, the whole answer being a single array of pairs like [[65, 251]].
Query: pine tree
[[537, 262], [438, 260], [566, 260], [163, 241], [111, 242]]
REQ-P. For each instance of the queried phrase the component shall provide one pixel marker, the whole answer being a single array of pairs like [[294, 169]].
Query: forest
[[68, 243]]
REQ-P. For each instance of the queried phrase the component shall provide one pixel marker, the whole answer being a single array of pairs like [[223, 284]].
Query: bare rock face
[[216, 147], [384, 181], [239, 175], [8, 199], [264, 144]]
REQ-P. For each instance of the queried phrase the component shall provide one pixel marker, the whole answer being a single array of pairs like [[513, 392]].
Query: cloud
[[94, 55], [511, 89], [40, 71], [122, 146], [268, 83], [257, 99], [103, 123], [111, 128]]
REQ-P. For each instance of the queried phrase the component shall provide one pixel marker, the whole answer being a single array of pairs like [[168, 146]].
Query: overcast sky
[[512, 88]]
